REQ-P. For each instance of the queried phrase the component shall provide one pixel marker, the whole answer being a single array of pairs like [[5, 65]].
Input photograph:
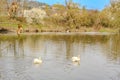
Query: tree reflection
[[113, 47], [13, 46], [69, 45]]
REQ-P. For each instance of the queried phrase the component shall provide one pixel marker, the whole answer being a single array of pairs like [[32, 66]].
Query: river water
[[99, 56]]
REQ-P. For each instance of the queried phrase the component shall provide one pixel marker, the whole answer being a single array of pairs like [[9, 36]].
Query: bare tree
[[13, 9]]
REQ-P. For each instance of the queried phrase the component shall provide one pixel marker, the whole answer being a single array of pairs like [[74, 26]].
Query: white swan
[[76, 59], [37, 60]]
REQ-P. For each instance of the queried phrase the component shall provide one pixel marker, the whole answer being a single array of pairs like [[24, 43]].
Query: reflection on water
[[100, 57]]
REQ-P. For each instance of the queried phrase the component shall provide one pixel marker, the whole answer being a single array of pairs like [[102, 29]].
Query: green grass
[[107, 30], [10, 24]]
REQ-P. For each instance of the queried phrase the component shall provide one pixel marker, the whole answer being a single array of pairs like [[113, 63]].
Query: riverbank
[[36, 30], [8, 25]]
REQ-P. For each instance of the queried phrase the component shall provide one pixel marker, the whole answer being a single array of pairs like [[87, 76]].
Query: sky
[[89, 4]]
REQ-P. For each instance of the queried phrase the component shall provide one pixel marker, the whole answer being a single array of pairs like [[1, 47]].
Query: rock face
[[35, 15]]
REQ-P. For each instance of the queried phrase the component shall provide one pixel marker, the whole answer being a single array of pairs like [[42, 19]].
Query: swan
[[76, 59], [37, 60]]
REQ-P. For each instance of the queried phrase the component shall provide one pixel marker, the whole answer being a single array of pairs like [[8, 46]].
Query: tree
[[13, 9], [114, 16]]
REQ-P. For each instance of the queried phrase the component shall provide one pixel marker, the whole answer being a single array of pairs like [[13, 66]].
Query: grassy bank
[[7, 24]]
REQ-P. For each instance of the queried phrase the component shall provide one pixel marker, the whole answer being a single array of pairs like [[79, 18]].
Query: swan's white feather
[[37, 61]]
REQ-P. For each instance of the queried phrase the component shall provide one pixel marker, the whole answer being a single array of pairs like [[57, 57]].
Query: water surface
[[99, 56]]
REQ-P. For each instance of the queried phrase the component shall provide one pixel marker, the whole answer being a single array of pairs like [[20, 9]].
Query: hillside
[[35, 4]]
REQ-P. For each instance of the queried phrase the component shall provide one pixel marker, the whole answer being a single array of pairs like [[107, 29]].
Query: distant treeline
[[71, 15]]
